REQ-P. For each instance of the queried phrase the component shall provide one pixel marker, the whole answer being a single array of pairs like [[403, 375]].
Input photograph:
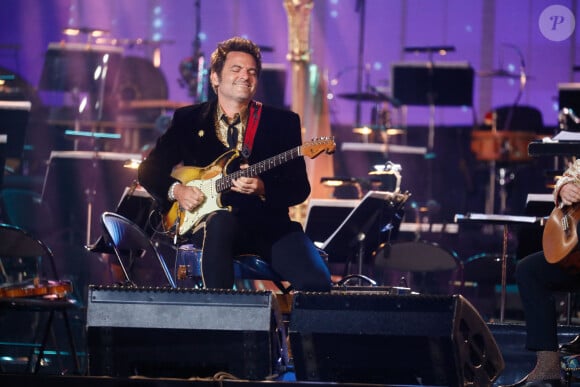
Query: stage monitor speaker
[[368, 337], [184, 333]]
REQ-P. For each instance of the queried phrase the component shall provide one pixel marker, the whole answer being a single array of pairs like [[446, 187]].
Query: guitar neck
[[226, 182]]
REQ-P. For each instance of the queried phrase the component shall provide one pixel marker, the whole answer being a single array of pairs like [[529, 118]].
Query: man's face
[[238, 79]]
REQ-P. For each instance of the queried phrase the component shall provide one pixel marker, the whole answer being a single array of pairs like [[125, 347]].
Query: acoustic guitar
[[560, 237], [212, 180]]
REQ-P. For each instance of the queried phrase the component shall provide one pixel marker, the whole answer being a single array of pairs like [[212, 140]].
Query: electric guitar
[[560, 239], [212, 180]]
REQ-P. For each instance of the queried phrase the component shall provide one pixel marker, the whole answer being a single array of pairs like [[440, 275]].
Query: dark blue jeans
[[287, 248], [537, 281]]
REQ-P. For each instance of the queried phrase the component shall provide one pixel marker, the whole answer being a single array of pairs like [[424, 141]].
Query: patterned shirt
[[222, 122]]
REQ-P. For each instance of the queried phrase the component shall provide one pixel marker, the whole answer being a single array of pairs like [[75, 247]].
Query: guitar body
[[205, 179], [215, 178], [560, 238]]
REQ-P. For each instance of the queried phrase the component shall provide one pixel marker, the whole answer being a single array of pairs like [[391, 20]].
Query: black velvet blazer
[[191, 140]]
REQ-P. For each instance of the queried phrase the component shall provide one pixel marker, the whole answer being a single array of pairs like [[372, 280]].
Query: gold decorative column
[[308, 90], [299, 49]]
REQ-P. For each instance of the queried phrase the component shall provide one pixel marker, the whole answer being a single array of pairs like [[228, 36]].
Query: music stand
[[372, 221], [324, 216], [437, 84]]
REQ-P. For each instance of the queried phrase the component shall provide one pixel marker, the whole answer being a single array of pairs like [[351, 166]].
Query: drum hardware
[[389, 168], [193, 68], [505, 221], [505, 145]]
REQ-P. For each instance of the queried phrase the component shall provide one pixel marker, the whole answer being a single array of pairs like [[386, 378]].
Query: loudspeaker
[[374, 337], [184, 332]]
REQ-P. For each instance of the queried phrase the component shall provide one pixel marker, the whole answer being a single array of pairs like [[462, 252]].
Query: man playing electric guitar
[[252, 214], [540, 274]]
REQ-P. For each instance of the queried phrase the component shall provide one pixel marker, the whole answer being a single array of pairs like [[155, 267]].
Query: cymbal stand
[[91, 192], [360, 8]]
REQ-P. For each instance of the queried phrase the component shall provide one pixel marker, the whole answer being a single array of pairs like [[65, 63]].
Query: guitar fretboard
[[226, 182]]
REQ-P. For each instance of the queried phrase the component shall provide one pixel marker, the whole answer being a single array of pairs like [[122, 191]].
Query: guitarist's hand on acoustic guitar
[[248, 185], [570, 193], [188, 197], [560, 237]]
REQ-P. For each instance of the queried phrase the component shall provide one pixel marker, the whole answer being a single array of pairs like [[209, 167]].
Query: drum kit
[[101, 85]]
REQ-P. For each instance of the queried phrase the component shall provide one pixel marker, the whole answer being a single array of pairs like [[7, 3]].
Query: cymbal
[[369, 97]]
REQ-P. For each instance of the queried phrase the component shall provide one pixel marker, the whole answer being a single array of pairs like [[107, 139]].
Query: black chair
[[36, 294], [139, 259]]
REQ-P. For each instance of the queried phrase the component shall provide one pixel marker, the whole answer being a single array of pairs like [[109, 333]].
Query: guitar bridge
[[565, 223]]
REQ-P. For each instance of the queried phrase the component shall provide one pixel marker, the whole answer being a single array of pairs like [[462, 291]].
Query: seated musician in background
[[259, 221], [537, 279]]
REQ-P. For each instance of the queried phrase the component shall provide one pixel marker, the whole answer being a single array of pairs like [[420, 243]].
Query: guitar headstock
[[318, 145]]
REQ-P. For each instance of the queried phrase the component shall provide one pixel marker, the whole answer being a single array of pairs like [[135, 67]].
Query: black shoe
[[571, 347], [537, 383]]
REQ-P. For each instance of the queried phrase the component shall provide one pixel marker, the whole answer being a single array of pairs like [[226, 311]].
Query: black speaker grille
[[385, 338]]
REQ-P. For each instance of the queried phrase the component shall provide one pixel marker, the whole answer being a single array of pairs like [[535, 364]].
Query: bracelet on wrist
[[170, 193]]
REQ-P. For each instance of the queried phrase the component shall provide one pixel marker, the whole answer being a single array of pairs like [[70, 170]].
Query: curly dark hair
[[218, 57]]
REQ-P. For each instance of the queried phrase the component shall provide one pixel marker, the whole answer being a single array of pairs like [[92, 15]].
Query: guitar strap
[[253, 121]]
